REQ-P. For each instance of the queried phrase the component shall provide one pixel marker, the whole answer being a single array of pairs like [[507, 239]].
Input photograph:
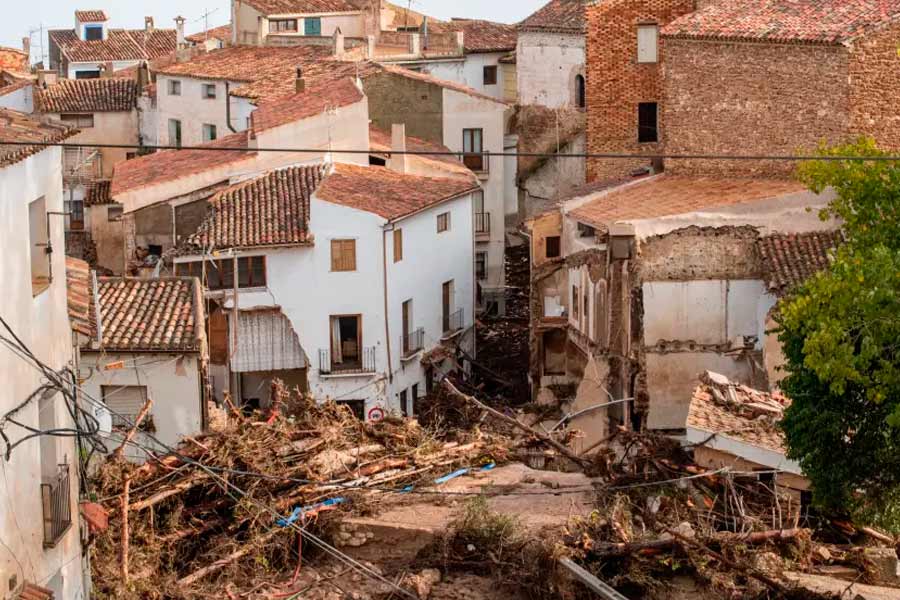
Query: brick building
[[830, 72], [624, 80]]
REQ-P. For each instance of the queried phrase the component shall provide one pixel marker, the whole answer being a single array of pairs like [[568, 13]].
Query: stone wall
[[701, 253], [417, 104], [617, 83], [751, 98], [875, 87]]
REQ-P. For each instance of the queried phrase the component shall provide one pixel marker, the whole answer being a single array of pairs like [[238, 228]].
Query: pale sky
[[20, 16]]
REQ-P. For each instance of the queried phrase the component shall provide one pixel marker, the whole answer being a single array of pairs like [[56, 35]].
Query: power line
[[586, 155]]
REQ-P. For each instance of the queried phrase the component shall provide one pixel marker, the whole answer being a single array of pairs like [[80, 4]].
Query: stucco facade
[[194, 110], [547, 64]]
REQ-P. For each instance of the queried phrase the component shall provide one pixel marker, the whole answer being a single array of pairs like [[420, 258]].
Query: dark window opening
[[490, 75], [553, 249], [220, 273], [580, 91], [357, 406], [93, 33], [282, 25], [404, 403], [346, 342], [415, 399], [87, 74], [155, 250], [647, 122], [377, 161], [473, 149], [586, 231]]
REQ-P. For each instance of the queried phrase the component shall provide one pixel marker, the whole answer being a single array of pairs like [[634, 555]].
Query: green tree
[[841, 334]]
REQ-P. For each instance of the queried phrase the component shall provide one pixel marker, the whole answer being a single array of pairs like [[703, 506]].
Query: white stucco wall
[[173, 383], [118, 127], [42, 323], [464, 111], [21, 99], [193, 110], [546, 65], [470, 71], [118, 65]]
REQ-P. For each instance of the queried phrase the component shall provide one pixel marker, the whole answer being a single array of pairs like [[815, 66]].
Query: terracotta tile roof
[[150, 314], [248, 63], [221, 33], [97, 193], [807, 21], [450, 85], [302, 7], [565, 16], [19, 127], [738, 412], [120, 45], [790, 259], [387, 193], [315, 100], [171, 165], [91, 16], [9, 83], [78, 294], [481, 36], [666, 195], [380, 142], [88, 95], [272, 210]]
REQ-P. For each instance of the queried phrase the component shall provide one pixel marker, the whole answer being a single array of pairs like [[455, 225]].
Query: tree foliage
[[841, 333]]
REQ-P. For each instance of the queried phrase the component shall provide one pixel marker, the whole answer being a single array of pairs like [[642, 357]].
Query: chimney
[[179, 28], [143, 75], [398, 162], [461, 42], [300, 83], [26, 47], [148, 24], [338, 40]]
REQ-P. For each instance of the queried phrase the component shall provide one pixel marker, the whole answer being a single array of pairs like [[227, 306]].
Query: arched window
[[580, 91]]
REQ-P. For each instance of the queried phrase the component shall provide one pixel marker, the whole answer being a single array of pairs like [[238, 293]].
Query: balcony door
[[473, 149], [346, 342], [407, 326], [446, 304]]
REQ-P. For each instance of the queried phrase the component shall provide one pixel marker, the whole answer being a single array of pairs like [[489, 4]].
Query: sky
[[21, 16]]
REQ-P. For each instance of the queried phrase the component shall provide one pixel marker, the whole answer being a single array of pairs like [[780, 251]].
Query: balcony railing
[[412, 343], [479, 162], [361, 363], [57, 507], [454, 322], [482, 222]]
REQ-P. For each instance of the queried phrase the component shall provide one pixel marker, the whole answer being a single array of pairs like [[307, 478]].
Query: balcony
[[350, 362], [454, 322], [412, 343], [482, 224], [477, 162], [57, 507]]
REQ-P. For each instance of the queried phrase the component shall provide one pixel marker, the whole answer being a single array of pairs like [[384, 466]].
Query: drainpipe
[[387, 327], [228, 108]]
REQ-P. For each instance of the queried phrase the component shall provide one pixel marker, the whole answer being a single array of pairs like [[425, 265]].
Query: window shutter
[[398, 245], [350, 255], [336, 255]]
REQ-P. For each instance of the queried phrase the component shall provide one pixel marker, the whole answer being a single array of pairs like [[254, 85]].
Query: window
[[586, 231], [174, 87], [398, 245], [93, 74], [647, 122], [209, 91], [39, 238], [358, 407], [312, 26], [283, 26], [125, 403], [490, 75], [92, 33], [404, 403], [114, 212], [406, 311], [130, 155], [647, 46], [447, 305], [443, 222], [220, 273], [346, 349], [580, 93], [473, 149], [343, 255], [74, 210], [209, 132], [84, 121], [481, 266], [175, 133], [576, 298], [553, 250]]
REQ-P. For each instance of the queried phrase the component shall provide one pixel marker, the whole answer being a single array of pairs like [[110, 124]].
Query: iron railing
[[482, 222], [413, 342], [479, 162], [57, 507], [364, 362], [454, 322]]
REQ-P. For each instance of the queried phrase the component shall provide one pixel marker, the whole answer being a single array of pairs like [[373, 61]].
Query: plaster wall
[[42, 323], [173, 382], [194, 110], [109, 128], [74, 67], [470, 72], [246, 23], [109, 237], [554, 178], [21, 99], [546, 65]]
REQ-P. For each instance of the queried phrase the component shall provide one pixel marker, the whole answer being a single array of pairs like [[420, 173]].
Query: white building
[[92, 46], [550, 57], [148, 341], [39, 487], [345, 277]]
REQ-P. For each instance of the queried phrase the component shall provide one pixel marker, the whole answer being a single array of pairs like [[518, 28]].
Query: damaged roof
[[272, 210], [481, 36], [88, 95], [161, 314], [78, 295], [563, 16], [788, 260], [19, 127], [386, 193], [97, 193], [797, 21], [666, 195]]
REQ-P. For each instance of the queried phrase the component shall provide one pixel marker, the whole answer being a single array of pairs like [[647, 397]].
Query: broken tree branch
[[123, 550], [758, 537], [224, 562], [515, 423], [145, 410]]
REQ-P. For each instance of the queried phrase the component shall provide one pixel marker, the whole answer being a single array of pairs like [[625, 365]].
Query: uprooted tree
[[841, 338]]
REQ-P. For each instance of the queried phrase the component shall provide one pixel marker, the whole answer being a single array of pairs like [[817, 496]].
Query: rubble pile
[[177, 529]]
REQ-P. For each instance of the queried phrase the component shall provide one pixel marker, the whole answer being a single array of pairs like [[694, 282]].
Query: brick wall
[[617, 83], [875, 87], [751, 98]]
